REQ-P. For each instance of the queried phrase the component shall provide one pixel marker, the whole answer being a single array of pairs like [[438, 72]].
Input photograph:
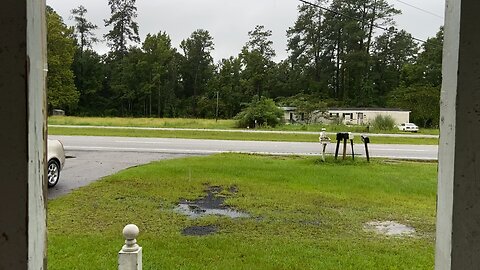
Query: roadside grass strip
[[142, 122], [219, 135], [290, 213], [211, 124]]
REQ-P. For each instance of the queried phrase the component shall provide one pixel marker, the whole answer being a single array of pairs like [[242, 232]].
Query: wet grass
[[218, 135], [305, 214]]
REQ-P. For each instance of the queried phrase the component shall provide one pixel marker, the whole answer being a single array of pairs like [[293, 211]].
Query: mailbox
[[365, 139], [342, 136], [323, 138]]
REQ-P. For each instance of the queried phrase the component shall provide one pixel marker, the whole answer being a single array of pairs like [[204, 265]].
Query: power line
[[421, 9], [357, 19]]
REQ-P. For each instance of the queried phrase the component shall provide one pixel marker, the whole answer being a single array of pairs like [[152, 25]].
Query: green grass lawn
[[305, 214], [218, 135], [142, 122]]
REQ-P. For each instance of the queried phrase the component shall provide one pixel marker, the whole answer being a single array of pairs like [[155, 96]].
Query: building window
[[348, 116]]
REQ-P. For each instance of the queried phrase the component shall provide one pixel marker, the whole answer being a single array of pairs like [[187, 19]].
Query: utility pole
[[216, 114]]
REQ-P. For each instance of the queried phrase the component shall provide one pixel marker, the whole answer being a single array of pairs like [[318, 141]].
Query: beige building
[[363, 116], [348, 116]]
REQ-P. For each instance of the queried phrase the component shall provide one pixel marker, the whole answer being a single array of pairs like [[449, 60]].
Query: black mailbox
[[365, 139], [342, 136]]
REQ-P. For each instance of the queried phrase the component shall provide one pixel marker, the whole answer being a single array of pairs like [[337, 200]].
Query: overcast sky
[[230, 20]]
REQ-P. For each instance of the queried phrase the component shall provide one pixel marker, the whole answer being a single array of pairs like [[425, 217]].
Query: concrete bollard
[[130, 257]]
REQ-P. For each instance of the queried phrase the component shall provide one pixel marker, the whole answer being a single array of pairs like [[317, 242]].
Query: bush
[[383, 122], [265, 111]]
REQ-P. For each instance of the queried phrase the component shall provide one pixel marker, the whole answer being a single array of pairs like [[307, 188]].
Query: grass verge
[[207, 124], [309, 220], [218, 135], [142, 122]]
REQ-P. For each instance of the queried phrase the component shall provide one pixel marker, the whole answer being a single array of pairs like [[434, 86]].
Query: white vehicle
[[56, 160], [408, 127]]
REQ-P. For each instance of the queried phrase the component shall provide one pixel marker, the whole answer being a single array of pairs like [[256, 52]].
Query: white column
[[458, 209], [130, 256], [22, 135]]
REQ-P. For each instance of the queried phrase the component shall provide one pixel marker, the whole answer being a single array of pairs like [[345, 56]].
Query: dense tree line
[[335, 59]]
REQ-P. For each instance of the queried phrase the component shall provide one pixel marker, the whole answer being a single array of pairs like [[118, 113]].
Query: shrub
[[265, 111], [383, 122]]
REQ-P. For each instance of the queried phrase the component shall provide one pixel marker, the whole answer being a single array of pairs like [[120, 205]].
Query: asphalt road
[[399, 135], [190, 146], [96, 157], [84, 167]]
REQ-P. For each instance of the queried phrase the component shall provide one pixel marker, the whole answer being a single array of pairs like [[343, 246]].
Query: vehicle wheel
[[53, 173]]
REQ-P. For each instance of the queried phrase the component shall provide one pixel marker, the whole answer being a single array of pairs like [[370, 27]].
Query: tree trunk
[[337, 66], [158, 102], [372, 24]]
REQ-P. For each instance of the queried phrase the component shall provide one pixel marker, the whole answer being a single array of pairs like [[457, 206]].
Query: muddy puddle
[[211, 204]]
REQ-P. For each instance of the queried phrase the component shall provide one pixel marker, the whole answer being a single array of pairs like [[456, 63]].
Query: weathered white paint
[[446, 153], [130, 256], [458, 218], [36, 53]]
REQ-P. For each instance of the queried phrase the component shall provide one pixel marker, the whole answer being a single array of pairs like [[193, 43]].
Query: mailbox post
[[324, 140], [351, 137], [344, 136], [366, 141]]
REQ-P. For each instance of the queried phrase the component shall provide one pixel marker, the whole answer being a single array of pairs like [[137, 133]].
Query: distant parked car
[[56, 160], [409, 127]]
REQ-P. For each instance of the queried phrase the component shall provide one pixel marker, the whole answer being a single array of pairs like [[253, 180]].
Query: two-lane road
[[95, 157], [190, 146]]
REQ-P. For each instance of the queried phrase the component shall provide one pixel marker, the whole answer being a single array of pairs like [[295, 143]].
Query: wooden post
[[336, 150], [458, 203], [351, 137], [23, 234]]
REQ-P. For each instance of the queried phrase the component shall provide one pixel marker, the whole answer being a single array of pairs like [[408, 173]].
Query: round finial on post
[[130, 233]]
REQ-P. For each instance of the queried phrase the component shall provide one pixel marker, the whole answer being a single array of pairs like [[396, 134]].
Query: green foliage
[[427, 70], [260, 112], [229, 85], [257, 57], [331, 57], [83, 28], [423, 101], [89, 73], [61, 90], [383, 122], [308, 105], [196, 66], [123, 13], [160, 62]]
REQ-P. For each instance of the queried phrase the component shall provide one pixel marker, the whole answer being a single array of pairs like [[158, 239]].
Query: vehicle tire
[[53, 173]]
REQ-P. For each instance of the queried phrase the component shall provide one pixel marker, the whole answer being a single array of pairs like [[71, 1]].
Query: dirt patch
[[200, 230], [211, 204], [389, 228]]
